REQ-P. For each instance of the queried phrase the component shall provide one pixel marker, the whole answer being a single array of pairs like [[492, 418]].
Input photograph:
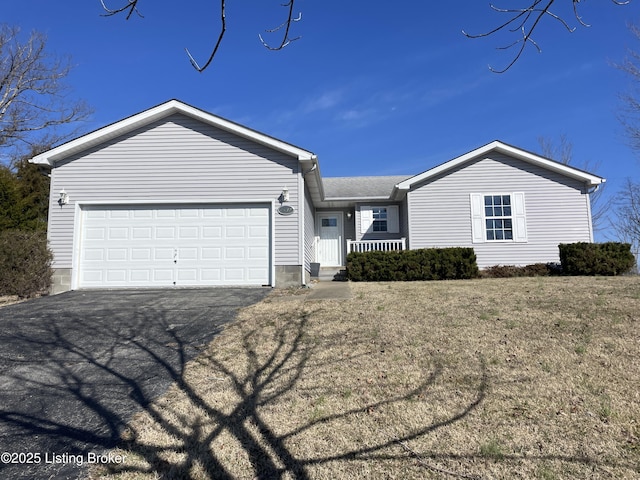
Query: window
[[498, 219], [330, 222], [379, 219]]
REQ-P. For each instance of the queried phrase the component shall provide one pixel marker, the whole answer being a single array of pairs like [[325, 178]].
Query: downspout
[[301, 205], [590, 190], [302, 190]]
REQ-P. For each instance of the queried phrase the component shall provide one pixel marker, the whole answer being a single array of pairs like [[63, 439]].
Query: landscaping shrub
[[533, 270], [25, 263], [610, 258], [412, 265]]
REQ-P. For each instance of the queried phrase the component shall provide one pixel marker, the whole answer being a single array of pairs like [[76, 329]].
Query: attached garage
[[174, 245], [177, 197]]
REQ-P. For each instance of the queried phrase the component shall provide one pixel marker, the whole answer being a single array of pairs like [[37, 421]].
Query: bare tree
[[630, 115], [627, 215], [562, 152], [34, 108], [523, 21], [131, 7]]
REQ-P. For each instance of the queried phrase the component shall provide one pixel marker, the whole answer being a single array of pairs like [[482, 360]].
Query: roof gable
[[496, 146], [159, 112]]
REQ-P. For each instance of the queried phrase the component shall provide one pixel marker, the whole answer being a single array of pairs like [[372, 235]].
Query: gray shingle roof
[[361, 187]]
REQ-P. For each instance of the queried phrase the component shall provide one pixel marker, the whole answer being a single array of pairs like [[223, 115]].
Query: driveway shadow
[[75, 367]]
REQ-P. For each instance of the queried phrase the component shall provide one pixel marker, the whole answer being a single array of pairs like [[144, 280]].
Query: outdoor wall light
[[285, 194], [349, 215], [64, 197]]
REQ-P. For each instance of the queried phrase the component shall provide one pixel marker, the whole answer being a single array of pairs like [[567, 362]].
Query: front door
[[329, 246]]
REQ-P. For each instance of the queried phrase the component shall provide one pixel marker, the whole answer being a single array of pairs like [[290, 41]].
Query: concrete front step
[[332, 275]]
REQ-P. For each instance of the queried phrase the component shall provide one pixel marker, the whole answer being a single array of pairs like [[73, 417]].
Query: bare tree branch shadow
[[110, 381]]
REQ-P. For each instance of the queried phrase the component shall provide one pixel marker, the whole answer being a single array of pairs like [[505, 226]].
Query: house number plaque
[[285, 209]]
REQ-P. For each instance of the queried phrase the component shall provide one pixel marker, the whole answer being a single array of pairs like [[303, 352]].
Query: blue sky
[[371, 89]]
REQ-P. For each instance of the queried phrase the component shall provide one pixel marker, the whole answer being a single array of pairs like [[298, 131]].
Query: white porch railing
[[376, 245]]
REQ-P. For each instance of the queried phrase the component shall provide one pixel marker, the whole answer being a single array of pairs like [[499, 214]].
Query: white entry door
[[330, 239], [174, 245]]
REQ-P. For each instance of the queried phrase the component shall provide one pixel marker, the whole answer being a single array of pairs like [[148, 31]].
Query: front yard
[[496, 378]]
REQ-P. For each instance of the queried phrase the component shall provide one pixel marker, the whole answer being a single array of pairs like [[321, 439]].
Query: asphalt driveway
[[75, 367]]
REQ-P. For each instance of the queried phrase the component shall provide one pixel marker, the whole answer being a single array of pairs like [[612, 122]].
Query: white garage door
[[158, 246]]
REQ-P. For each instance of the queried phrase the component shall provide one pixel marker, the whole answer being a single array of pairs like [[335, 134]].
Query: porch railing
[[376, 245]]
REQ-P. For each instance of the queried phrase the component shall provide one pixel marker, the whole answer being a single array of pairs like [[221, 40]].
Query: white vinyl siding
[[177, 159], [554, 209]]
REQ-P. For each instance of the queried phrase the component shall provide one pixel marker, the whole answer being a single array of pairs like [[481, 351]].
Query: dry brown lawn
[[495, 378]]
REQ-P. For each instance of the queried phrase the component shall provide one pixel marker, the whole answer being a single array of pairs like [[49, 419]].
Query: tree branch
[[527, 19], [286, 25], [132, 6], [223, 29]]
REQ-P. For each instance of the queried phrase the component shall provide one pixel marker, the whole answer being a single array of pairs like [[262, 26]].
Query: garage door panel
[[96, 233], [140, 254], [213, 275], [189, 233], [94, 255], [165, 213], [257, 253], [211, 253], [212, 232], [141, 233], [185, 254], [257, 273], [116, 276], [119, 214], [118, 233], [175, 245], [235, 231], [233, 274], [140, 276], [163, 254], [117, 254], [142, 213], [165, 233]]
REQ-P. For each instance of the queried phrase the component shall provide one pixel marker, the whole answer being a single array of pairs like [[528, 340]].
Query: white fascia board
[[529, 157], [164, 110]]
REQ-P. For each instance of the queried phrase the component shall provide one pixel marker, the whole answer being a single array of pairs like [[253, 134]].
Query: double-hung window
[[498, 218], [379, 219]]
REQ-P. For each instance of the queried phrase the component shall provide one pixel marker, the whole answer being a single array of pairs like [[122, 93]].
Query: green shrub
[[25, 263], [609, 258], [412, 265], [508, 271]]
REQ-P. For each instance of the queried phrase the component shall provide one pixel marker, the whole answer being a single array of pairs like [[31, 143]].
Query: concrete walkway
[[330, 291]]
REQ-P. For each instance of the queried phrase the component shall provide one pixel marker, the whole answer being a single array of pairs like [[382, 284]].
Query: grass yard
[[497, 378]]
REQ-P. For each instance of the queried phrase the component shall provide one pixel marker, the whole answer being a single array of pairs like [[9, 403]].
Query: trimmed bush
[[610, 258], [25, 263], [412, 265], [509, 271]]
